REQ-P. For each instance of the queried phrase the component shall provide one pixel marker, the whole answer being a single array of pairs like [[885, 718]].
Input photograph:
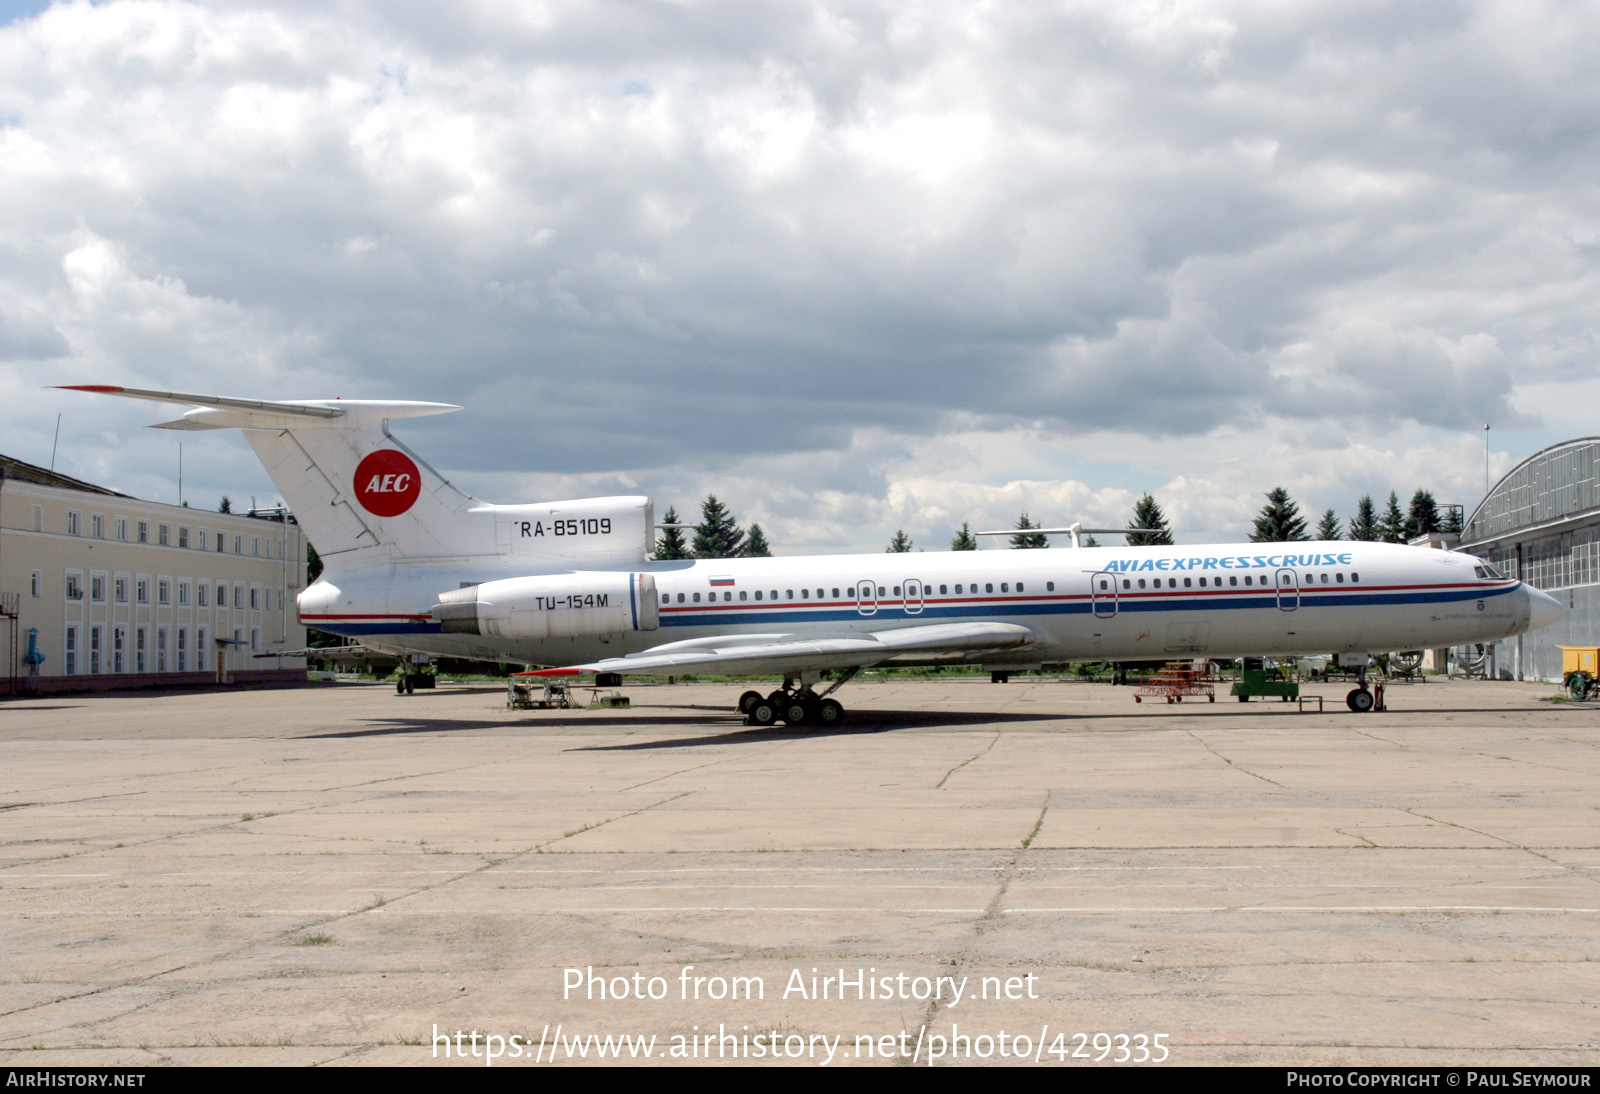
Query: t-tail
[[353, 486]]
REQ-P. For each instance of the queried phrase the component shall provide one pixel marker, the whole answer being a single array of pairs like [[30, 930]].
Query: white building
[[118, 592]]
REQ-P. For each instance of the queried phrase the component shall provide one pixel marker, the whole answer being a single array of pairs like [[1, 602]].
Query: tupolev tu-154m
[[412, 564]]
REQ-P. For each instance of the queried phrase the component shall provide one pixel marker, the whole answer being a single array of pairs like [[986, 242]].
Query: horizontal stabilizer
[[221, 412]]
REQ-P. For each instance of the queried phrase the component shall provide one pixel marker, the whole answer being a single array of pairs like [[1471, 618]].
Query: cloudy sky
[[851, 266]]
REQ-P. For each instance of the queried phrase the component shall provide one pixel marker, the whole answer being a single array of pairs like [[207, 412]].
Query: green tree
[[1450, 519], [313, 562], [964, 540], [226, 506], [1392, 525], [900, 544], [1149, 525], [716, 536], [1280, 520], [671, 546], [755, 544], [1423, 519], [1328, 526], [1023, 540], [1364, 525]]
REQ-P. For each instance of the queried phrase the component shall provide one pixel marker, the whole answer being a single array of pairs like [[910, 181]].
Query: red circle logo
[[387, 483]]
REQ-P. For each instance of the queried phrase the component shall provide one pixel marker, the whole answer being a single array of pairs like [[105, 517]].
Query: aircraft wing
[[737, 654]]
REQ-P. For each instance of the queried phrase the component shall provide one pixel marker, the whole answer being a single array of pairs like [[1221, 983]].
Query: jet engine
[[552, 606]]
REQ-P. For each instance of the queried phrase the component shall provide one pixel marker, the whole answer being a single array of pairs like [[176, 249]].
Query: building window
[[163, 532], [141, 590], [72, 651], [94, 651], [139, 642], [97, 526], [255, 639], [144, 531], [74, 585], [119, 589], [238, 545], [200, 540], [238, 598], [203, 592], [119, 638], [221, 538], [183, 594], [255, 546], [200, 649], [255, 598], [97, 588], [183, 649], [73, 517], [36, 583], [122, 529], [183, 537], [161, 649], [163, 591]]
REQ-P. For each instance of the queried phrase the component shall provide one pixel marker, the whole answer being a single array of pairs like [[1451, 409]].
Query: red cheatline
[[110, 389]]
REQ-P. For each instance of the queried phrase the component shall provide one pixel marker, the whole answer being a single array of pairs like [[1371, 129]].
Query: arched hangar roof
[[1552, 488]]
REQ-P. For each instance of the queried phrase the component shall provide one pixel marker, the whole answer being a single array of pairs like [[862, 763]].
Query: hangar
[[1541, 523], [115, 592]]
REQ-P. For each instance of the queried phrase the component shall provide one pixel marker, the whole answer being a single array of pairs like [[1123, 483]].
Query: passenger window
[[1005, 586], [1049, 586], [943, 589], [1019, 586], [1355, 578], [1126, 584], [805, 594], [958, 588], [758, 594], [1247, 579], [697, 598], [743, 595], [1141, 583], [897, 590], [988, 586], [1232, 580], [666, 598], [880, 591], [1187, 583], [788, 594], [1324, 579], [680, 598], [1339, 578], [727, 596]]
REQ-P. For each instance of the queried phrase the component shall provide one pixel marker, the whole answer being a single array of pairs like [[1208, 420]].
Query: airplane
[[414, 565]]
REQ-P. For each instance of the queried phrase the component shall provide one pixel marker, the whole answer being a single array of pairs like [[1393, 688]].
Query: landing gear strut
[[1361, 698], [794, 706]]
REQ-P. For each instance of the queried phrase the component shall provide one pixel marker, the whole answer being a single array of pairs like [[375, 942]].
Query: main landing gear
[[795, 706]]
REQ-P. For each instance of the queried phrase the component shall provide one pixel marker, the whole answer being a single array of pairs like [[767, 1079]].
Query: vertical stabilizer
[[349, 482]]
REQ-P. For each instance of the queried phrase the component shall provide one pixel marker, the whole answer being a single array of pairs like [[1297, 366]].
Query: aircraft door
[[1103, 594], [867, 596], [1288, 590], [913, 596]]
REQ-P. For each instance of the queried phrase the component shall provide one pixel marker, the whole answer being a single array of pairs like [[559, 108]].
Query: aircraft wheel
[[777, 699], [400, 686], [764, 713], [829, 712], [1359, 700], [748, 701], [795, 712], [409, 686]]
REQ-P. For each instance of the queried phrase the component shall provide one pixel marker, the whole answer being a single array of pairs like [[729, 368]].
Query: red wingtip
[[106, 389], [550, 672]]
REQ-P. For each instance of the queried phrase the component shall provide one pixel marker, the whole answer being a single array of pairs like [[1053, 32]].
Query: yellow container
[[1580, 659]]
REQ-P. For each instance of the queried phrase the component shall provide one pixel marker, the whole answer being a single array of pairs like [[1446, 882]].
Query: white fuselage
[[1097, 603]]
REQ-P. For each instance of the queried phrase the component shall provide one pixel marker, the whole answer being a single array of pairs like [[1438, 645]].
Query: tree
[[1328, 526], [716, 536], [900, 544], [670, 546], [1280, 520], [1423, 519], [1364, 525], [1392, 525], [1450, 521], [755, 544], [1023, 541], [964, 540], [1149, 525], [226, 506], [313, 562]]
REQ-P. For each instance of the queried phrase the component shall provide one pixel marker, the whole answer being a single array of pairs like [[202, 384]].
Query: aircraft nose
[[1543, 609]]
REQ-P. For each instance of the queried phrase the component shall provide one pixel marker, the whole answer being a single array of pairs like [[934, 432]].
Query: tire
[[410, 687], [1359, 700], [764, 713], [829, 713], [748, 701], [400, 686], [795, 712]]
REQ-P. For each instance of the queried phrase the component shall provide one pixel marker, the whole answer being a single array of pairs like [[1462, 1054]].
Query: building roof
[[23, 471], [1551, 487]]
